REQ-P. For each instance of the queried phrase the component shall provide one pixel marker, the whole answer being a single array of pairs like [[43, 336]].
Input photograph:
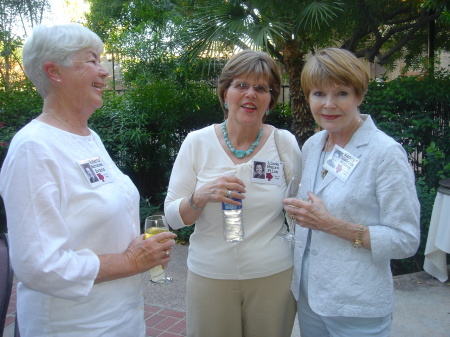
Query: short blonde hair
[[247, 62], [335, 66]]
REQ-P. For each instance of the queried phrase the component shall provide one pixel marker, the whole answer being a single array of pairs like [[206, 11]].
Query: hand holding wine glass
[[291, 192], [299, 191], [154, 225]]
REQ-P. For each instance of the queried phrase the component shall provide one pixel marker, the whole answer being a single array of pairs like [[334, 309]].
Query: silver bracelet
[[192, 203]]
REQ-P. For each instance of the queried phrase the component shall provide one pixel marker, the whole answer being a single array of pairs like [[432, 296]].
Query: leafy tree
[[144, 37], [16, 16], [382, 31], [379, 30]]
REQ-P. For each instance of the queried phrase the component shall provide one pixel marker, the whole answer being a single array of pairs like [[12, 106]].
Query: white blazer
[[380, 193]]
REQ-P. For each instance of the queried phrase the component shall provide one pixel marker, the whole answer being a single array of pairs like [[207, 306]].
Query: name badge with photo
[[267, 172], [340, 163], [95, 171]]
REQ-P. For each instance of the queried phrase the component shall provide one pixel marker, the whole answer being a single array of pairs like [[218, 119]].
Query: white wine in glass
[[154, 225]]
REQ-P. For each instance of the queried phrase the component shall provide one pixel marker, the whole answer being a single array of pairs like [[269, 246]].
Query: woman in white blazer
[[359, 215]]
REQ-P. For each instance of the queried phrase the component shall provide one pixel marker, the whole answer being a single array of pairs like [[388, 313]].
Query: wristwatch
[[359, 239]]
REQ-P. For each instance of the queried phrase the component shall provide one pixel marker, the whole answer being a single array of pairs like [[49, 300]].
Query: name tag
[[267, 172], [340, 163], [95, 171]]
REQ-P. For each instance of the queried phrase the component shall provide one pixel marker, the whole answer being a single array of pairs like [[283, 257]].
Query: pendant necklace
[[240, 153], [51, 115], [70, 130], [324, 171]]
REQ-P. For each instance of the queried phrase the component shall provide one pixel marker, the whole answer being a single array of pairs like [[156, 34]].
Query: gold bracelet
[[192, 203], [359, 239]]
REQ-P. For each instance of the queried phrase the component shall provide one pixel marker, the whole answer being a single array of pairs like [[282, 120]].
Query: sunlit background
[[65, 11]]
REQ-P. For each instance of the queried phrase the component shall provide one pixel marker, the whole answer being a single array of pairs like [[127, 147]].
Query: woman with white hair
[[75, 242]]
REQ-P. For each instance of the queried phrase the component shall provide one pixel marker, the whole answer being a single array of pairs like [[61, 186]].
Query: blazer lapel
[[314, 162], [355, 146]]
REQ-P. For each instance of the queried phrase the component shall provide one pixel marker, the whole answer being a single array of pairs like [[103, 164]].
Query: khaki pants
[[261, 307]]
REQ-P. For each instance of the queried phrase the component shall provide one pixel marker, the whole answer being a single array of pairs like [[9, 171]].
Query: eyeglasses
[[243, 87]]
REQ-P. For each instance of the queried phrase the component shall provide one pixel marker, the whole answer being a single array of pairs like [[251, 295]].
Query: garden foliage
[[415, 111], [144, 128]]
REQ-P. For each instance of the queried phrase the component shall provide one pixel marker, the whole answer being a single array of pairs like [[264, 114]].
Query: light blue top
[[380, 193]]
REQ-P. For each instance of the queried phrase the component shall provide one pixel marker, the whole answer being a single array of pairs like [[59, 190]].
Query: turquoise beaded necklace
[[240, 153]]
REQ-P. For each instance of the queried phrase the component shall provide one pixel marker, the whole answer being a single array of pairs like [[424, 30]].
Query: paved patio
[[160, 322], [422, 304]]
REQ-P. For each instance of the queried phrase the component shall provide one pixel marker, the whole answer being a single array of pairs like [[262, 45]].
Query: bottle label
[[229, 207]]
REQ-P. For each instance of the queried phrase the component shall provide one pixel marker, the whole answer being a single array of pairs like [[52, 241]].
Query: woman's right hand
[[220, 190]]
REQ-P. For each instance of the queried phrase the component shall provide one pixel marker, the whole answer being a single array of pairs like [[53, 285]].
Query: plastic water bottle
[[233, 226]]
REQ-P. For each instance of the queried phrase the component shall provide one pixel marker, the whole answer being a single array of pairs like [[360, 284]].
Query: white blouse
[[58, 222], [202, 159]]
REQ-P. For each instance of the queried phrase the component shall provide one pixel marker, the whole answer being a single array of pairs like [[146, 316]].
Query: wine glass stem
[[292, 228]]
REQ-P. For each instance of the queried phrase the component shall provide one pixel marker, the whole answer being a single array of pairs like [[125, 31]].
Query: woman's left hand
[[311, 214]]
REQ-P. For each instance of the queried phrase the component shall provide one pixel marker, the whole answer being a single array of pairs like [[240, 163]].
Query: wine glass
[[156, 224], [291, 192]]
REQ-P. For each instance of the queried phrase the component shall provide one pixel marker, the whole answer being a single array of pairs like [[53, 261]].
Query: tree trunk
[[302, 120]]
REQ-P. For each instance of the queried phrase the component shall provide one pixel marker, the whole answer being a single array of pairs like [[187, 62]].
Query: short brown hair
[[335, 66], [247, 62]]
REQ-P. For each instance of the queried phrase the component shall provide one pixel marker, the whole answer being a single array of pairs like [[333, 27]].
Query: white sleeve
[[33, 193], [182, 182], [398, 234], [290, 153]]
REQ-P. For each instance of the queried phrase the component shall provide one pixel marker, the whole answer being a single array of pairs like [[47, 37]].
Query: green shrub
[[281, 117], [415, 111], [18, 106], [143, 129]]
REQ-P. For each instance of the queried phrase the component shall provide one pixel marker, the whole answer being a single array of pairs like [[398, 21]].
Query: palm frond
[[228, 25], [319, 13]]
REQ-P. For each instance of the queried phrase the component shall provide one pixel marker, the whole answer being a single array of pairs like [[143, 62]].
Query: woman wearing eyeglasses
[[237, 289]]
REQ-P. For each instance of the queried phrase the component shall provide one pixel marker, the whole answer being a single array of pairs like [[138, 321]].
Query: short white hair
[[56, 43]]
